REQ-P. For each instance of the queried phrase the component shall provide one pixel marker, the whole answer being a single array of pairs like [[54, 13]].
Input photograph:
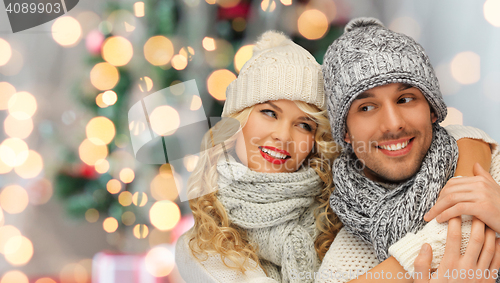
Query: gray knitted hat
[[369, 55]]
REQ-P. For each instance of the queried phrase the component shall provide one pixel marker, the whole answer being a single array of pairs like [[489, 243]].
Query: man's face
[[390, 130]]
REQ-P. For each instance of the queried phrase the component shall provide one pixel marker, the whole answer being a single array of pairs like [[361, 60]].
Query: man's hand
[[483, 253], [478, 196]]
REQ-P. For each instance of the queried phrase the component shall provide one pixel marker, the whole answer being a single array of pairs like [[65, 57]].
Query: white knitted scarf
[[277, 211], [382, 216]]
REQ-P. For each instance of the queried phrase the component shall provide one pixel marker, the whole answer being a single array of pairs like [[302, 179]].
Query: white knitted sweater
[[347, 253]]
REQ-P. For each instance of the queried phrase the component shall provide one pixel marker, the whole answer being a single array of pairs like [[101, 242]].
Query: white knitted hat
[[278, 69]]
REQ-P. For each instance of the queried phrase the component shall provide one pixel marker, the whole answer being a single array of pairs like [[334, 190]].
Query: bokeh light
[[286, 2], [14, 65], [122, 22], [110, 224], [159, 261], [114, 186], [128, 218], [101, 166], [14, 199], [18, 250], [31, 167], [45, 280], [313, 24], [158, 50], [188, 52], [109, 97], [177, 87], [4, 168], [66, 31], [141, 231], [99, 101], [22, 105], [268, 5], [92, 215], [117, 50], [104, 76], [242, 56], [218, 81], [125, 198], [127, 175], [222, 56], [139, 9], [228, 3], [6, 233], [406, 25], [100, 130], [239, 24], [208, 43], [163, 186], [74, 273], [2, 217], [13, 152], [491, 10], [466, 67], [40, 192], [454, 117], [16, 128], [14, 276], [211, 2], [164, 215], [195, 103], [5, 52], [190, 162], [164, 120], [145, 84], [6, 91], [90, 152], [140, 199], [179, 62]]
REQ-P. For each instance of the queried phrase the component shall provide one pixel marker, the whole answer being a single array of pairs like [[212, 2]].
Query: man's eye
[[269, 113], [405, 100], [366, 108]]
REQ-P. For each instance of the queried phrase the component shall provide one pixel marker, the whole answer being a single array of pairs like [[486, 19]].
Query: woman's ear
[[433, 117]]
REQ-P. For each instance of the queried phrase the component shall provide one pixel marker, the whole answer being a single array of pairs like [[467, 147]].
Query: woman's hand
[[482, 257], [478, 196]]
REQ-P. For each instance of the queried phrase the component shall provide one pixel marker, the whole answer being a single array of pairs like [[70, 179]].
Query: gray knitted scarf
[[277, 211], [382, 216]]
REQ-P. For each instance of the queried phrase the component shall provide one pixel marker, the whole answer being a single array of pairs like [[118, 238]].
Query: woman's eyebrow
[[274, 106]]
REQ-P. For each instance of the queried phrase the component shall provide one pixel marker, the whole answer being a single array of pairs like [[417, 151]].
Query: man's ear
[[433, 117], [347, 138]]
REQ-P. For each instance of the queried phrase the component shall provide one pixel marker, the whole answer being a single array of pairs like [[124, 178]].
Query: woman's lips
[[272, 159]]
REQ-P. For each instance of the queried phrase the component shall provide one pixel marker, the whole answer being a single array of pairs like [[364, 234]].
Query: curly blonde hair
[[213, 232]]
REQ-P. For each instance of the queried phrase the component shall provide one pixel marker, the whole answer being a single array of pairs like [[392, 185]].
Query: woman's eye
[[405, 100], [306, 126], [367, 108], [269, 113]]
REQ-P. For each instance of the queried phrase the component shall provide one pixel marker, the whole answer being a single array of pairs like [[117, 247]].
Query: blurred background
[[76, 205]]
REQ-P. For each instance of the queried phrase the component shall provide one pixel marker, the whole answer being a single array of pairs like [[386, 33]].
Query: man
[[385, 104]]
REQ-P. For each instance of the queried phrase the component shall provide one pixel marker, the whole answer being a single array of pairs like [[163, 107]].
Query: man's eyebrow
[[404, 87], [274, 106], [364, 95]]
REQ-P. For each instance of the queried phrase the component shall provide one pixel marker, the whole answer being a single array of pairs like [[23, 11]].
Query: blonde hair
[[213, 232]]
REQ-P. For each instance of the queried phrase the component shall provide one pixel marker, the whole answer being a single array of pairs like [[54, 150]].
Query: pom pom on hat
[[362, 22], [271, 39]]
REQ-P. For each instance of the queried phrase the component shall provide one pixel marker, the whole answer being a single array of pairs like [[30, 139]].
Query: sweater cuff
[[460, 132], [407, 248]]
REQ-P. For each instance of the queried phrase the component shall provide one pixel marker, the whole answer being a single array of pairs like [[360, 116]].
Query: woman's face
[[277, 137]]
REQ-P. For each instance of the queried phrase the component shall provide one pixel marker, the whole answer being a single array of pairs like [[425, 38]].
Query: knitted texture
[[278, 69], [369, 55], [381, 216], [277, 211], [347, 255]]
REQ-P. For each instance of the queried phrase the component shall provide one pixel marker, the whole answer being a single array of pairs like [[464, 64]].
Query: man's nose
[[392, 119]]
